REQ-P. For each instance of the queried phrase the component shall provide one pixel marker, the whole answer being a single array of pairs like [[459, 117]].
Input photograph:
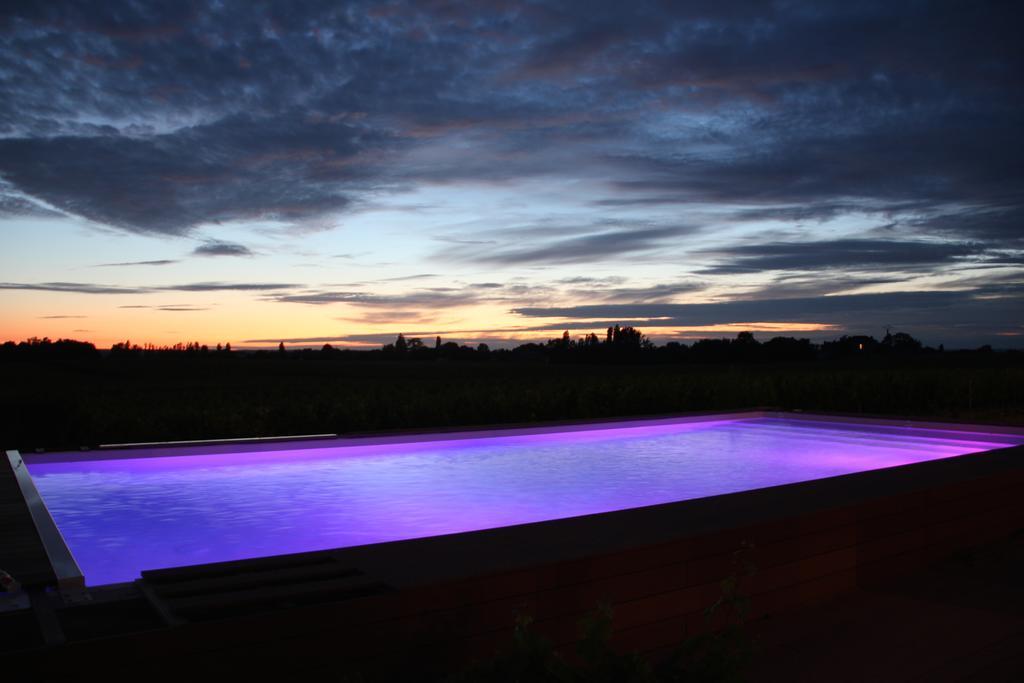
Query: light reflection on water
[[124, 515]]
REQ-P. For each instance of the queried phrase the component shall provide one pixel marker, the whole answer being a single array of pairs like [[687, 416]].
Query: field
[[70, 403]]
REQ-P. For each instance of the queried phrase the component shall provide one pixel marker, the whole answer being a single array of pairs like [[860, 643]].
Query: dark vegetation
[[721, 652], [67, 394]]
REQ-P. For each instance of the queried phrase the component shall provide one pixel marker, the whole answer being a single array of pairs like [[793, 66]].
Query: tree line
[[620, 344]]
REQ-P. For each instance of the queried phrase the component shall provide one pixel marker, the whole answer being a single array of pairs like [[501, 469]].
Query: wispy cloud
[[551, 248], [159, 262], [72, 287], [433, 298], [953, 309], [88, 288], [214, 248], [844, 254]]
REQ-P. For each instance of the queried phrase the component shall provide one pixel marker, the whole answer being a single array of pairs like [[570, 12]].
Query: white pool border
[[62, 562], [320, 441], [179, 448]]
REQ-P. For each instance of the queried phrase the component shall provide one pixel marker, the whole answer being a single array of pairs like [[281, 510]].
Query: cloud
[[432, 298], [998, 225], [423, 304], [389, 317], [419, 276], [159, 262], [585, 248], [856, 311], [73, 287], [644, 132], [652, 294], [841, 254], [810, 283], [170, 308], [147, 119], [299, 340], [607, 281], [227, 286], [87, 288], [234, 169], [13, 205], [215, 248], [60, 317], [982, 314]]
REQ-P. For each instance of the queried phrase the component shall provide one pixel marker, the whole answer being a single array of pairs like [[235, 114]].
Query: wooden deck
[[21, 551]]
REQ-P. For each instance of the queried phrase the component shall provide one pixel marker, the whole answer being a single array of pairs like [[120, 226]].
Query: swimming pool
[[128, 510]]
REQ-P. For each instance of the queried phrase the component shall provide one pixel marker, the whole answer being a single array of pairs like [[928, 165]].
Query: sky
[[340, 172]]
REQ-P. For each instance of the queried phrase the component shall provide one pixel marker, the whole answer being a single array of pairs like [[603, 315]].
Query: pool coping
[[503, 548], [158, 449], [65, 568], [220, 446]]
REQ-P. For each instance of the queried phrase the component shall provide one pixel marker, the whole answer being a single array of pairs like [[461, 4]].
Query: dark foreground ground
[[960, 620], [58, 404]]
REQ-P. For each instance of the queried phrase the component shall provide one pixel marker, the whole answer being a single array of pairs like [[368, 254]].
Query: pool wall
[[453, 598]]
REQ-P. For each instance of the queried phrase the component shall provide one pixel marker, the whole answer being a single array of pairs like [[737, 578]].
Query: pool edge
[[62, 562], [458, 432], [69, 574], [158, 449]]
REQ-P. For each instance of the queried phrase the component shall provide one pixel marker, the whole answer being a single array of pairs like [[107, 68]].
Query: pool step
[[228, 589]]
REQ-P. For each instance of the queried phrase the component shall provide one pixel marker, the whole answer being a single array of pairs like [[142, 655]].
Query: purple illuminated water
[[120, 516]]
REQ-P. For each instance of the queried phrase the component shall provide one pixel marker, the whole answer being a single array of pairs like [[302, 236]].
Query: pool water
[[125, 514]]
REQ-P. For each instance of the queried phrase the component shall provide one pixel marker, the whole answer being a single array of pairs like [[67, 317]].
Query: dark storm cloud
[[213, 113], [222, 249], [160, 117], [1004, 225], [234, 169], [845, 254]]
